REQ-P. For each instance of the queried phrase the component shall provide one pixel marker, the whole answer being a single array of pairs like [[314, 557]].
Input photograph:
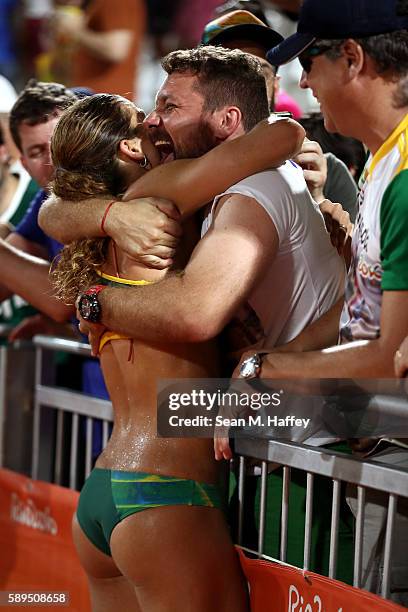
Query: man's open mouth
[[165, 149]]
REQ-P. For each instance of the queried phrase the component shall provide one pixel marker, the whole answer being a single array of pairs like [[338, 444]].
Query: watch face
[[90, 308], [250, 367], [85, 307]]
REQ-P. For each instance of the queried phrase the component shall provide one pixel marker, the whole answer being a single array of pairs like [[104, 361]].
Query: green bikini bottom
[[109, 496]]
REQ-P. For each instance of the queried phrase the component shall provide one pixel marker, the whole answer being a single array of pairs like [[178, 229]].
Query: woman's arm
[[191, 183]]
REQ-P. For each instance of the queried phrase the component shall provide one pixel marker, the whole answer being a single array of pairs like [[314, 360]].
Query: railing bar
[[389, 536], [358, 551], [308, 521], [62, 344], [334, 528], [3, 395], [58, 447], [74, 452], [88, 447], [325, 462], [74, 402], [37, 416], [241, 491], [285, 512], [262, 511], [105, 433]]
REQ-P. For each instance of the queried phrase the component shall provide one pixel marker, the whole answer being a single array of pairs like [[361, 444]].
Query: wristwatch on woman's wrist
[[251, 366], [88, 304]]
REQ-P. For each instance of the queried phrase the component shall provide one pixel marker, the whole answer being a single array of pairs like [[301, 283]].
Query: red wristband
[[95, 289], [105, 214]]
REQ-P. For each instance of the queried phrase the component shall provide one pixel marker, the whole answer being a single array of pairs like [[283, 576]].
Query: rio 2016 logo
[[297, 601]]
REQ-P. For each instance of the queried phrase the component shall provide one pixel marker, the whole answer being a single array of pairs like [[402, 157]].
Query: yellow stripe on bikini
[[123, 281]]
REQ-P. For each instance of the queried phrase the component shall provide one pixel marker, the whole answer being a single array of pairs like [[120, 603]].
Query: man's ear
[[354, 56], [227, 121]]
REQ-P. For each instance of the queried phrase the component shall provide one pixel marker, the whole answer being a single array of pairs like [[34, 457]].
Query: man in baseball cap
[[339, 19], [354, 55], [239, 25], [243, 30]]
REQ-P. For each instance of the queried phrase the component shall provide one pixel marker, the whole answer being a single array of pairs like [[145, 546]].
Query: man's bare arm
[[195, 305], [27, 246], [363, 359], [28, 276]]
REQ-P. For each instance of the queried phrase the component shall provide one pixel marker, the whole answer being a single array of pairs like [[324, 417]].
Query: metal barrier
[[313, 461], [340, 468], [16, 401], [66, 402]]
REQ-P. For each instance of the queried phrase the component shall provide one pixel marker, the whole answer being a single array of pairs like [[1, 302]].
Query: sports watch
[[251, 366], [88, 304]]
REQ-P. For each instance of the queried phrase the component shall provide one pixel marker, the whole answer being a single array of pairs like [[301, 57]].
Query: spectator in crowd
[[243, 30], [108, 41], [17, 188], [8, 59], [191, 17], [26, 252], [35, 14], [355, 59], [16, 192]]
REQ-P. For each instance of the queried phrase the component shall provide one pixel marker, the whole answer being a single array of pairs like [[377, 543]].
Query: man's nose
[[152, 120], [303, 80]]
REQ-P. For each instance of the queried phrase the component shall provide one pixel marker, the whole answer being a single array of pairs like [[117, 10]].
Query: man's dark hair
[[389, 53], [37, 103], [225, 76]]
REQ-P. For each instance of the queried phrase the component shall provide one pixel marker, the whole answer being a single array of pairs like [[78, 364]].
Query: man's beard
[[200, 140]]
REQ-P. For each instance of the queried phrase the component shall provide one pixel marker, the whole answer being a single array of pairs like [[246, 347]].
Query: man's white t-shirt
[[307, 275]]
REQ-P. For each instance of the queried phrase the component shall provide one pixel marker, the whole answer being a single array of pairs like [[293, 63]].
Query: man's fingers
[[400, 363], [313, 176], [222, 449], [311, 146], [94, 339], [305, 159]]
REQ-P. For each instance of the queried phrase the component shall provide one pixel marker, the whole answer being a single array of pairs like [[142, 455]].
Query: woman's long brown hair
[[84, 150]]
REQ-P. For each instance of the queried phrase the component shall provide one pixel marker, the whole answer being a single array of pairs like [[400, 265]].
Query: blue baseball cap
[[336, 19]]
